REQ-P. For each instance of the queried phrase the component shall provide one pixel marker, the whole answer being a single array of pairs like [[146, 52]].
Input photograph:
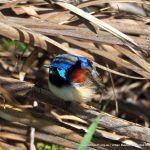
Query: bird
[[73, 78]]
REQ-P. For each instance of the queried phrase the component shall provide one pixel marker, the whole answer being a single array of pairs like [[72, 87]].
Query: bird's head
[[69, 68]]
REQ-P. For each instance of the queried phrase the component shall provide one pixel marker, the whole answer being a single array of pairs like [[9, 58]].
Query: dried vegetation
[[114, 34]]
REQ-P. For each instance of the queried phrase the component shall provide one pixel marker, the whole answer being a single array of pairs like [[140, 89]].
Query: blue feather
[[62, 63], [84, 62], [62, 73]]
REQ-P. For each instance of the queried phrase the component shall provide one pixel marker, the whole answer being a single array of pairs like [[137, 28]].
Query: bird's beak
[[46, 66]]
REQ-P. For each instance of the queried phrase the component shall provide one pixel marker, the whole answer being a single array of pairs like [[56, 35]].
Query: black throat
[[58, 81]]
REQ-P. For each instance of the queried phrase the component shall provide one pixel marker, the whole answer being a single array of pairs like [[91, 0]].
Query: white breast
[[73, 93]]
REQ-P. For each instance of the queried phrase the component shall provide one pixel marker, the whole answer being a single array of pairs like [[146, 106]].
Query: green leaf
[[55, 147], [6, 43], [47, 147], [20, 46], [91, 130], [88, 136], [39, 146]]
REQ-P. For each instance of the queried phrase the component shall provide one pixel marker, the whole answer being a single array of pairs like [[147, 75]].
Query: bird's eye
[[51, 72]]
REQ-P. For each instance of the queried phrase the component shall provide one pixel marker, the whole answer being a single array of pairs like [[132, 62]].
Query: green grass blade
[[91, 130], [88, 136]]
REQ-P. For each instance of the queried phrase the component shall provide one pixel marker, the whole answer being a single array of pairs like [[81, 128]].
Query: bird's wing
[[95, 78]]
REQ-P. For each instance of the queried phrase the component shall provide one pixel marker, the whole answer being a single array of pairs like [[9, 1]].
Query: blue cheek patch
[[62, 73]]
